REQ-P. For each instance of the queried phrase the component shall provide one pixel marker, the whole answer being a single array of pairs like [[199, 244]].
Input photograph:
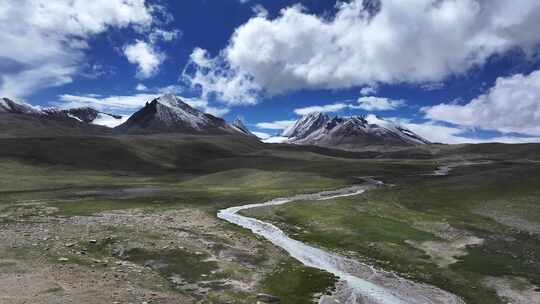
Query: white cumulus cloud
[[145, 56], [259, 10], [44, 42], [204, 106], [374, 103], [511, 105], [438, 133], [369, 90], [163, 35], [141, 87], [215, 79], [368, 103], [276, 125], [323, 109], [114, 103], [421, 41], [128, 104]]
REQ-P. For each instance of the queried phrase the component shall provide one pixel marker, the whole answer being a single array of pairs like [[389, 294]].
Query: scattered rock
[[190, 287], [118, 251], [266, 298]]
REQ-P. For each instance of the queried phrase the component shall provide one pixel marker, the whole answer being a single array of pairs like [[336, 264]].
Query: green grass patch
[[259, 179], [190, 266], [356, 225], [376, 224], [294, 283], [91, 206], [16, 176]]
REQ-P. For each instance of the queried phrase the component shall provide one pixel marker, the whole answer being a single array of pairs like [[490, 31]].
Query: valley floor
[[138, 239], [69, 234], [473, 233]]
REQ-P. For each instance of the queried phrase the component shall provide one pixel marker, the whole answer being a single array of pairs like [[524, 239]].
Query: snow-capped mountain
[[168, 113], [87, 115], [18, 119], [10, 106], [165, 114], [83, 115], [306, 125], [238, 124], [349, 133]]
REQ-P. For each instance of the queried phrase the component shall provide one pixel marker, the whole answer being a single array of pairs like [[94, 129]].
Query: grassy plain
[[138, 212], [455, 231]]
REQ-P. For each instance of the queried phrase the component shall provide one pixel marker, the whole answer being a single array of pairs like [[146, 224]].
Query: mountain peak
[[172, 101], [306, 125], [9, 106], [350, 132], [238, 124], [314, 114], [169, 100], [85, 115], [170, 114]]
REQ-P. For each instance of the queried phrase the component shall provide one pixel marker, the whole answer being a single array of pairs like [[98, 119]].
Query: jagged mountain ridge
[[169, 114], [9, 106], [306, 125], [165, 114], [18, 119], [238, 124], [83, 114], [349, 133]]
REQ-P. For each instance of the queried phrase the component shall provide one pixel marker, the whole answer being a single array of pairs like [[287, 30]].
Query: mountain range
[[349, 133], [84, 114], [18, 119], [169, 114]]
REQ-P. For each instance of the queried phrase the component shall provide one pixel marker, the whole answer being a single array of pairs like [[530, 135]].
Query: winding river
[[359, 282]]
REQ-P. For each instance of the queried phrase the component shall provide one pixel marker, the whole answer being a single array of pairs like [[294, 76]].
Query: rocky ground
[[135, 256], [69, 236]]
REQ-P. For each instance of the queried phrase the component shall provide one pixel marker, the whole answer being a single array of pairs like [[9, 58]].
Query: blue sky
[[451, 70]]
